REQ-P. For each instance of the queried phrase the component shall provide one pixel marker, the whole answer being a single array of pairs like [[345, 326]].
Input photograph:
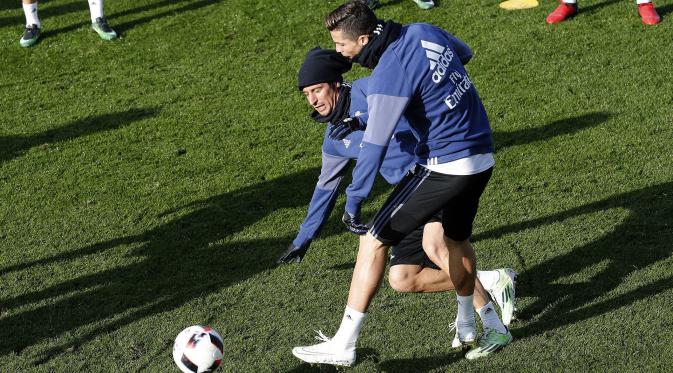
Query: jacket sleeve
[[388, 97], [324, 196], [462, 50]]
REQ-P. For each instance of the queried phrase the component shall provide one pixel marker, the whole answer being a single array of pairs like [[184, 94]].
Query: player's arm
[[388, 94], [385, 112], [462, 49], [322, 203]]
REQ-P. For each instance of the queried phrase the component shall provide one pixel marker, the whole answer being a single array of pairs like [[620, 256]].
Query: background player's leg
[[99, 22], [32, 31]]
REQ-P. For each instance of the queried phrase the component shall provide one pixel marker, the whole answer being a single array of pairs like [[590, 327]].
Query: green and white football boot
[[489, 342], [30, 36], [424, 4], [103, 29]]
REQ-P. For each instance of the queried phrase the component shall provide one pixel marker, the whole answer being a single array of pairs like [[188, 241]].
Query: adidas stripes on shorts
[[424, 193]]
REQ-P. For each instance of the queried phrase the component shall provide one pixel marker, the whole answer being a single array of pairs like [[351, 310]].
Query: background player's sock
[[490, 319], [349, 330], [30, 10], [96, 9]]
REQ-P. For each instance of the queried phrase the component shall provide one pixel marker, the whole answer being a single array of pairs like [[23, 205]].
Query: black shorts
[[410, 249], [422, 194]]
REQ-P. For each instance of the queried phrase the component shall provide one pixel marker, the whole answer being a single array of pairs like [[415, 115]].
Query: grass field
[[149, 183]]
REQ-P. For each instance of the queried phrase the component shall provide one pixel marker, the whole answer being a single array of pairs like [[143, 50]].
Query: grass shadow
[[47, 11], [423, 364], [120, 28], [665, 10], [641, 240], [14, 146], [595, 7], [557, 128], [198, 237]]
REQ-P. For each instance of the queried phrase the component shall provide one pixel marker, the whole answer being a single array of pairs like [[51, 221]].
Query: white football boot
[[503, 292], [327, 352], [466, 333]]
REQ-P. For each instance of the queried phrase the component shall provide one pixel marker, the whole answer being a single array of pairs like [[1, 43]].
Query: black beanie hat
[[322, 65]]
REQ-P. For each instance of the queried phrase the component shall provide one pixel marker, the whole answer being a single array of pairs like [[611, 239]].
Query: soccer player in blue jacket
[[418, 73], [343, 108]]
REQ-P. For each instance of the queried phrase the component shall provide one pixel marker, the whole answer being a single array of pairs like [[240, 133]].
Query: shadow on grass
[[14, 146], [558, 128], [595, 7], [190, 256], [48, 11], [664, 10], [19, 20], [641, 240], [120, 28], [423, 364]]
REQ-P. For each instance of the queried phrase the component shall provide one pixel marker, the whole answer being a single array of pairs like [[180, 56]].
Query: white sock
[[643, 1], [349, 330], [488, 278], [573, 2], [30, 10], [490, 318], [465, 310], [96, 9]]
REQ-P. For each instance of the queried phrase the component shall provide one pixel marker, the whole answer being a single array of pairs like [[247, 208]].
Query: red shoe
[[648, 14], [562, 12]]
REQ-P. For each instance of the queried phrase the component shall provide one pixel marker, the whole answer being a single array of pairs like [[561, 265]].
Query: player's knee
[[401, 281]]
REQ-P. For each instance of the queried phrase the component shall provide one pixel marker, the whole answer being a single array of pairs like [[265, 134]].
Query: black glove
[[344, 128], [353, 224], [293, 254]]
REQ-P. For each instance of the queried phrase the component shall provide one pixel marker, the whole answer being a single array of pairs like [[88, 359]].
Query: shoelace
[[102, 22], [321, 337]]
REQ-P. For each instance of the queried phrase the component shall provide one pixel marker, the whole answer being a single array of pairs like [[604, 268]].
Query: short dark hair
[[353, 19]]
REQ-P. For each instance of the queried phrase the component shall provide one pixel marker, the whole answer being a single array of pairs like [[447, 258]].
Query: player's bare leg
[[411, 278], [367, 276], [458, 260]]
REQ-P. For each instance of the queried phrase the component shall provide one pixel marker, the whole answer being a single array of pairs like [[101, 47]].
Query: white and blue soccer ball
[[198, 349]]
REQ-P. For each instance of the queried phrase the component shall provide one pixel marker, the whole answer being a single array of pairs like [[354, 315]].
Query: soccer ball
[[198, 349]]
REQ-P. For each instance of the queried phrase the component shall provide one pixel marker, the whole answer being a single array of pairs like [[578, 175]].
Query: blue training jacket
[[421, 77], [336, 155]]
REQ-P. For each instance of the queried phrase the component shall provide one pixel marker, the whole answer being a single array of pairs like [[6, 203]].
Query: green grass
[[149, 183]]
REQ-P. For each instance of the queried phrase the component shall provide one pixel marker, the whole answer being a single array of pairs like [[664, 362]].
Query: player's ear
[[363, 40]]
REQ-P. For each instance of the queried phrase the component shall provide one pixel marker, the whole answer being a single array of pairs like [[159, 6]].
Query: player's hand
[[293, 254], [344, 128], [353, 224]]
